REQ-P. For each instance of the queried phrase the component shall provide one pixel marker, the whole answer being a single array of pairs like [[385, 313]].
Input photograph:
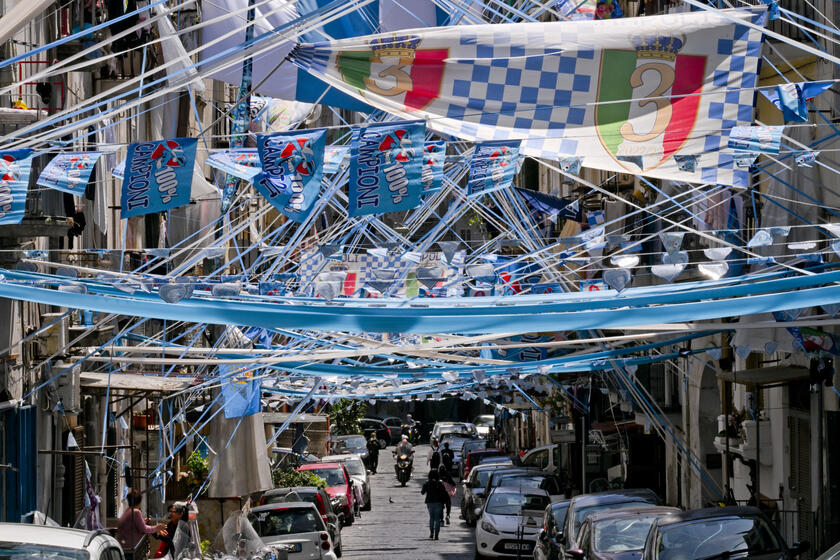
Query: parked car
[[717, 533], [493, 479], [295, 526], [339, 485], [587, 504], [21, 540], [474, 490], [509, 522], [550, 539], [484, 424], [395, 425], [832, 553], [552, 458], [544, 481], [358, 472], [617, 535], [473, 458], [462, 429], [383, 432], [285, 458], [314, 495], [356, 445], [474, 445], [456, 444]]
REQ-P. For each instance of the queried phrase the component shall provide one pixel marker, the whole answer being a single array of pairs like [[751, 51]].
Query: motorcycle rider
[[410, 427], [404, 447], [373, 452]]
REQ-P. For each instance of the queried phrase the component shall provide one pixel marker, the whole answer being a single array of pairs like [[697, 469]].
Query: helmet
[[405, 437]]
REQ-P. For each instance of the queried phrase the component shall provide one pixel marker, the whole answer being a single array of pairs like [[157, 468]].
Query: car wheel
[[338, 552], [368, 505]]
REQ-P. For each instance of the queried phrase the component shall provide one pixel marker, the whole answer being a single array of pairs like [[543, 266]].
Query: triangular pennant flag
[[429, 276], [448, 248], [71, 441], [672, 240], [617, 278]]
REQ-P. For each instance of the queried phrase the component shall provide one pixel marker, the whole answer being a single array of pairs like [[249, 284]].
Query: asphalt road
[[398, 525]]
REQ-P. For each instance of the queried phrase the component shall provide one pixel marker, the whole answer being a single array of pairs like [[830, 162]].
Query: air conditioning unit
[[68, 386]]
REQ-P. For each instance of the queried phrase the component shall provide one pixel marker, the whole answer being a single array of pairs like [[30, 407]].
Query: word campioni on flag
[[69, 173], [158, 176]]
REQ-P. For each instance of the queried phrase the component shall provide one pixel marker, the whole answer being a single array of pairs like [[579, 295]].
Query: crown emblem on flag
[[657, 46], [400, 46]]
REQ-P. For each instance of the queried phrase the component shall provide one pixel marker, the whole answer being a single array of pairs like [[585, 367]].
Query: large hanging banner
[[386, 165], [292, 165], [493, 166], [624, 94], [434, 156], [158, 176], [243, 163], [241, 392], [15, 166], [69, 173]]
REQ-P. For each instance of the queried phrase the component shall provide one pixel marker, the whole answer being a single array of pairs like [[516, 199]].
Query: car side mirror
[[369, 471], [800, 547], [576, 553]]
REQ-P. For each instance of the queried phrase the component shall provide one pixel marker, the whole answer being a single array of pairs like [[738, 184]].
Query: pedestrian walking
[[373, 452], [436, 497], [434, 459], [447, 456], [449, 484]]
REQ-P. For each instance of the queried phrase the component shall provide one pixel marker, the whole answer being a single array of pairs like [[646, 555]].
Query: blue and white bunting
[[243, 163], [763, 139], [15, 166], [493, 166], [69, 173], [158, 176], [434, 156]]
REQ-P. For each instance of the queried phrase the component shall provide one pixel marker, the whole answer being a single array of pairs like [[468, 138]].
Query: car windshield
[[354, 467], [559, 513], [290, 521], [352, 442], [529, 481], [582, 513], [508, 503], [486, 421], [480, 478], [473, 445], [21, 551], [293, 496], [455, 444], [333, 476], [708, 537], [622, 534]]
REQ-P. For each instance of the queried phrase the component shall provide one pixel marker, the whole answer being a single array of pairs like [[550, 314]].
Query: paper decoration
[[158, 176], [434, 156], [687, 163], [625, 261], [493, 166], [119, 170], [570, 164], [482, 273], [69, 173], [243, 163], [448, 248], [715, 271], [667, 272], [240, 391], [617, 278], [717, 253], [292, 165], [386, 166], [336, 158], [173, 293], [15, 166], [806, 159], [761, 238], [671, 240], [790, 98], [745, 160], [763, 139]]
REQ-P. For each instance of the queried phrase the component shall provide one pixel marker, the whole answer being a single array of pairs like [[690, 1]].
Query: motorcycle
[[403, 467], [412, 432]]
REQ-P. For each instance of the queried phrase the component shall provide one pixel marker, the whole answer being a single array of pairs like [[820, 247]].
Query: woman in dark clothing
[[436, 497], [176, 514], [373, 452]]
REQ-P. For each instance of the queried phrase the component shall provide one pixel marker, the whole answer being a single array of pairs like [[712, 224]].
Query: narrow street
[[398, 525]]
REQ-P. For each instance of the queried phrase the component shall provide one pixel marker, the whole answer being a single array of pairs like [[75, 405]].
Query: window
[[710, 537], [583, 537], [537, 459], [623, 534], [13, 550], [286, 522]]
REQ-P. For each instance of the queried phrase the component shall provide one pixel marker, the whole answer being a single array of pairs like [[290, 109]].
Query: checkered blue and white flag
[[626, 95]]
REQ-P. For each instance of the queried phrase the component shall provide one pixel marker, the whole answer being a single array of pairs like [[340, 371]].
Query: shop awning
[[766, 376]]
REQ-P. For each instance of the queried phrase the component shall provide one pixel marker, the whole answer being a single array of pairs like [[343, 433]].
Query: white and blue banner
[[493, 166], [158, 176], [241, 392], [119, 170], [15, 166], [292, 164], [756, 139], [386, 166], [69, 173], [434, 156], [243, 163]]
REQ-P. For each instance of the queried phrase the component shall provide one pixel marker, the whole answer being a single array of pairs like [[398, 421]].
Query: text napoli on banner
[[69, 173], [292, 164], [15, 166], [624, 96], [386, 166], [158, 176]]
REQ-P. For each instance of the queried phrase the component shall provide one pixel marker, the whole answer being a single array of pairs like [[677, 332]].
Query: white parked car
[[510, 522], [296, 527], [20, 540]]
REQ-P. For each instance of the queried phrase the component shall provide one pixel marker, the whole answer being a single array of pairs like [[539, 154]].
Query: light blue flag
[[434, 156], [158, 176], [243, 163], [119, 170], [241, 392], [763, 139], [15, 166], [69, 173], [493, 166], [790, 98], [292, 165], [335, 158], [386, 167]]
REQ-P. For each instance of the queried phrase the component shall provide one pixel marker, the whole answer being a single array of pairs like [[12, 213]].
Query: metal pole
[[820, 474]]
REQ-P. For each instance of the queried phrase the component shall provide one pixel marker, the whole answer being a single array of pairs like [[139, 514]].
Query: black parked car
[[550, 540], [383, 432], [718, 534], [617, 535]]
